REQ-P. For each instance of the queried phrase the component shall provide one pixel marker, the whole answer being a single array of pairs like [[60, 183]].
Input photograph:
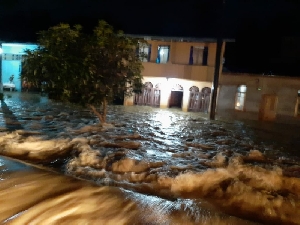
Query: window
[[205, 56], [144, 52], [240, 97], [163, 54], [196, 55]]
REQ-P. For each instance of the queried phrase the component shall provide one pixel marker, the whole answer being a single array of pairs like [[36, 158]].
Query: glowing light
[[243, 88], [1, 51], [238, 104]]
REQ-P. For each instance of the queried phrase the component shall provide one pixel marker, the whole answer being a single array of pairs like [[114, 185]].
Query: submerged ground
[[205, 172]]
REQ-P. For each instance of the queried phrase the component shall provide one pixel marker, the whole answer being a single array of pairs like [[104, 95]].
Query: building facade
[[178, 72], [259, 97], [11, 61]]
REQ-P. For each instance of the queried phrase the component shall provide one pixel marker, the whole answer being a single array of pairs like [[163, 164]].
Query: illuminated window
[[144, 52], [163, 54], [240, 97]]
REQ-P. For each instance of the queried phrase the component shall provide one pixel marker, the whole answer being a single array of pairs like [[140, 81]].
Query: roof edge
[[177, 39]]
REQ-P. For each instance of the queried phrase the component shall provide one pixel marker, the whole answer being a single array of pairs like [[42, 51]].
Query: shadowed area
[[9, 119]]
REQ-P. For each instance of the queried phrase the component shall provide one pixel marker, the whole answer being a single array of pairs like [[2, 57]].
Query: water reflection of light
[[165, 118], [158, 153]]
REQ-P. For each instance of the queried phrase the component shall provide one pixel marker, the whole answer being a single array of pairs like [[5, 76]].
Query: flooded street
[[149, 166]]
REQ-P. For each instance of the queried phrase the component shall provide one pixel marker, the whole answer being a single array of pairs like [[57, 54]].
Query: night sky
[[266, 33]]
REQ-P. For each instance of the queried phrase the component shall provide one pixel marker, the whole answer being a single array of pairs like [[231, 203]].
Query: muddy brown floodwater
[[145, 166]]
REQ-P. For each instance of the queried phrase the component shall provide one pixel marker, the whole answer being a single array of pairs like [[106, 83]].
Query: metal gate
[[150, 96], [199, 101]]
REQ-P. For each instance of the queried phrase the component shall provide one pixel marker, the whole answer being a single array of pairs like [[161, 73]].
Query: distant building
[[263, 97], [178, 72], [11, 56]]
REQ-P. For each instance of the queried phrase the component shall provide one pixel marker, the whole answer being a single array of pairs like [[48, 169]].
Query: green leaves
[[87, 69]]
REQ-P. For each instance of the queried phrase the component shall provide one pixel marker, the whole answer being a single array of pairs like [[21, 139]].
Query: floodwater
[[145, 166]]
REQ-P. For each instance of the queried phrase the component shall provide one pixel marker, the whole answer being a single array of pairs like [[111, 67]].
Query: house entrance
[[176, 99], [176, 96], [199, 101], [150, 95], [268, 106]]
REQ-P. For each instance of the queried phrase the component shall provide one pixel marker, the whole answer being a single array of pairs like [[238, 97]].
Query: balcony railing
[[189, 72]]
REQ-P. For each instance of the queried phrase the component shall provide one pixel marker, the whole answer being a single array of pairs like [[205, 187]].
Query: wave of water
[[168, 165]]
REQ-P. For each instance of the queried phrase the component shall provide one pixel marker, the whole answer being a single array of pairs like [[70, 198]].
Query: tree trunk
[[104, 109], [102, 117], [97, 113]]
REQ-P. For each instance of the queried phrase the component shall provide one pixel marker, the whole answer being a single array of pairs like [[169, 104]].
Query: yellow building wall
[[178, 64], [178, 70]]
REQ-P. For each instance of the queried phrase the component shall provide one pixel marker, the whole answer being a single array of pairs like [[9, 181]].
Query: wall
[[192, 72], [166, 86], [286, 88]]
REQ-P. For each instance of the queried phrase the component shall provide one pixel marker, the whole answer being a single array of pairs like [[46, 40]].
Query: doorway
[[199, 101], [268, 107], [176, 99]]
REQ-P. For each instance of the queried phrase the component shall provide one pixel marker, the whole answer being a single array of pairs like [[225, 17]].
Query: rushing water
[[147, 166]]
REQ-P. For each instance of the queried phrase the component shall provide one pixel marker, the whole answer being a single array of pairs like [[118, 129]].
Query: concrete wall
[[178, 64], [285, 88]]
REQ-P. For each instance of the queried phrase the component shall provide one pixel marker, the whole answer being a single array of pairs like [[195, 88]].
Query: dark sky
[[258, 26]]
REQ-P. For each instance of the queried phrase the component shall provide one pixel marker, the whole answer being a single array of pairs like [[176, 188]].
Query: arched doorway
[[194, 99], [149, 96], [176, 96], [156, 95], [199, 101]]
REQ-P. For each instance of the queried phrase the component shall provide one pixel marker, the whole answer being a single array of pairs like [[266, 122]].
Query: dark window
[[205, 56], [145, 52]]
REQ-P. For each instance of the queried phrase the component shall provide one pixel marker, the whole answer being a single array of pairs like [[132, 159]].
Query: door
[[176, 99], [149, 96], [268, 106]]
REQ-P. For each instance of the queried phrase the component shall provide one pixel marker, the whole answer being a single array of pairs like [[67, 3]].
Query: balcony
[[189, 72]]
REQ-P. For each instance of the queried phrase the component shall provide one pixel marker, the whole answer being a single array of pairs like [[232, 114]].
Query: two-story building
[[178, 72]]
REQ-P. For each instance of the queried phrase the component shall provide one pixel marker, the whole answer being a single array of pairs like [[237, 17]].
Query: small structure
[[12, 54], [259, 97]]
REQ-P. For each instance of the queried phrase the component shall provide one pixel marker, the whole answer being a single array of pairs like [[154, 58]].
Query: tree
[[57, 60], [114, 66], [87, 69]]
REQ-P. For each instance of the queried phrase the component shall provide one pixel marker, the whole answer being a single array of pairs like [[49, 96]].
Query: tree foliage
[[87, 69]]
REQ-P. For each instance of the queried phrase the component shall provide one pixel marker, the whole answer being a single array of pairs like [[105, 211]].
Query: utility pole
[[216, 79], [217, 64]]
